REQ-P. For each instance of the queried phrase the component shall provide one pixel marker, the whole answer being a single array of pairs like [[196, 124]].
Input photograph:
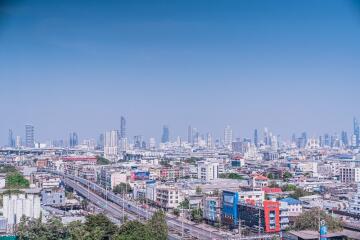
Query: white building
[[349, 174], [111, 145], [294, 206], [110, 177], [168, 196], [25, 203], [228, 137], [355, 203], [257, 196], [207, 170]]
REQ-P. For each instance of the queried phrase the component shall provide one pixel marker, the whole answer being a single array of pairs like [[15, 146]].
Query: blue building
[[230, 208]]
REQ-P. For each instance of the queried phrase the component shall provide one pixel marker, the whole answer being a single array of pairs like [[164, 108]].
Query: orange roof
[[260, 177]]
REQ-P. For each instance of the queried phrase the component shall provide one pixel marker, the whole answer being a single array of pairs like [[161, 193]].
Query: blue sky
[[78, 65]]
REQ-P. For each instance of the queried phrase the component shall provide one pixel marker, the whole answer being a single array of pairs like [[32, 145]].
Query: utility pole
[[240, 230]]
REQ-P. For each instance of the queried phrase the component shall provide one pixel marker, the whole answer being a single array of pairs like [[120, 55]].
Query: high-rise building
[[228, 136], [344, 138], [152, 143], [209, 141], [100, 142], [165, 134], [18, 142], [122, 127], [73, 140], [111, 145], [29, 136], [356, 131], [256, 138], [190, 135], [138, 141], [11, 140]]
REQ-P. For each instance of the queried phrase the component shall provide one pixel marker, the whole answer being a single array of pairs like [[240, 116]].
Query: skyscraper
[[190, 135], [73, 139], [228, 136], [122, 127], [256, 138], [209, 141], [344, 138], [29, 136], [11, 140], [356, 132], [165, 134]]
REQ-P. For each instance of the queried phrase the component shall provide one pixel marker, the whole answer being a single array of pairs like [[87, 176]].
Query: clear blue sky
[[78, 65]]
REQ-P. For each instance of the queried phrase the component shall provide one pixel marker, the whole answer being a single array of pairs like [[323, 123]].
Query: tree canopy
[[95, 227], [122, 188], [309, 220], [15, 180], [231, 176], [102, 161]]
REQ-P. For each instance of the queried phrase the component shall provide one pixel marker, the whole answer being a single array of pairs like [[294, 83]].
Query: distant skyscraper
[[256, 139], [138, 141], [165, 134], [29, 136], [122, 127], [152, 143], [327, 140], [228, 136], [209, 141], [266, 137], [356, 131], [190, 135], [73, 139], [101, 141], [344, 138], [11, 140], [18, 142]]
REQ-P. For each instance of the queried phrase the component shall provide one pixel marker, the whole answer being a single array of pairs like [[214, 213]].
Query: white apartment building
[[257, 196], [168, 197], [207, 171], [25, 203], [111, 145], [349, 174], [110, 177]]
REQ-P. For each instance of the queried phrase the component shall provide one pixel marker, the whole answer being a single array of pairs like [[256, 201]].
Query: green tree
[[7, 168], [270, 176], [198, 190], [185, 204], [134, 230], [286, 176], [288, 187], [157, 226], [231, 176], [100, 225], [122, 188], [102, 161], [15, 180], [197, 214], [309, 220], [176, 212]]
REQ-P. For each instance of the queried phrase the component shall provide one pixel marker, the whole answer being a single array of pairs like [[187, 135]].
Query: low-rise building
[[294, 206], [22, 202], [168, 197]]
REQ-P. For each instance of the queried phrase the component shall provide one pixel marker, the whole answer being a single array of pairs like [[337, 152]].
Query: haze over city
[[291, 66]]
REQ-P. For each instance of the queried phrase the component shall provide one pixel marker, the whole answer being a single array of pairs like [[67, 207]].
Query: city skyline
[[192, 134], [291, 67]]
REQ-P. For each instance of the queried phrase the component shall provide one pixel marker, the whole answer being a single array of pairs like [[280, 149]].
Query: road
[[114, 204]]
